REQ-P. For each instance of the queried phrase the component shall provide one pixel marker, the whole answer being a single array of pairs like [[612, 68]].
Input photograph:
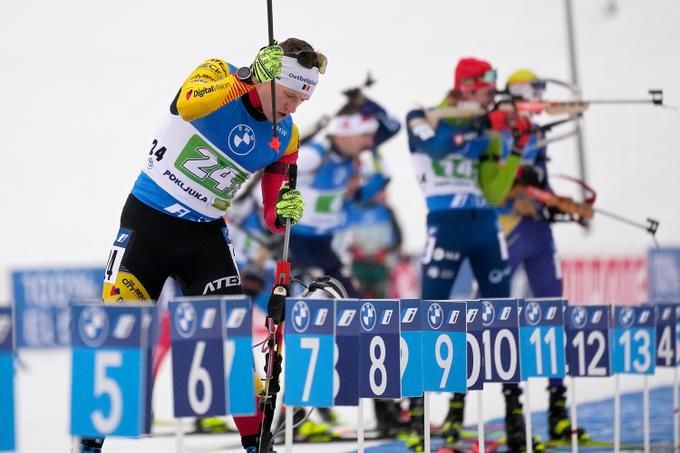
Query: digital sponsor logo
[[579, 317], [488, 313], [532, 313]]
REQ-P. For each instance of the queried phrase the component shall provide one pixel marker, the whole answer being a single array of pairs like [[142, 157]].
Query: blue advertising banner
[[42, 298], [664, 274]]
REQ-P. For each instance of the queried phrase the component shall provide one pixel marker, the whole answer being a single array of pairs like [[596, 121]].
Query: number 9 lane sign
[[588, 340], [309, 347], [541, 332], [411, 348], [634, 340], [198, 367], [7, 427], [379, 362], [346, 372], [444, 346], [110, 393]]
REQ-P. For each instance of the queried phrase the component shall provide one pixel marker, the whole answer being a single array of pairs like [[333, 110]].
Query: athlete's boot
[[310, 431], [515, 427], [453, 423], [414, 441], [91, 445], [559, 424], [387, 415]]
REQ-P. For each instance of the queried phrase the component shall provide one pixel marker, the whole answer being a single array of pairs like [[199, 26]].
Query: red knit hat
[[472, 73]]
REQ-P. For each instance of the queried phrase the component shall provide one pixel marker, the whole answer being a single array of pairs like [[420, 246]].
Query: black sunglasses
[[311, 59]]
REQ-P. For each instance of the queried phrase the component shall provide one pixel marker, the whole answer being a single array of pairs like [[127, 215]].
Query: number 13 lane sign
[[634, 340]]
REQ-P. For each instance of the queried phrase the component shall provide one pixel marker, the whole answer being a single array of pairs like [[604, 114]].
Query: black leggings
[[154, 246]]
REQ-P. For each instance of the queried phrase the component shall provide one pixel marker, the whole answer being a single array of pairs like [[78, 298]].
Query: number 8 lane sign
[[379, 364], [309, 346]]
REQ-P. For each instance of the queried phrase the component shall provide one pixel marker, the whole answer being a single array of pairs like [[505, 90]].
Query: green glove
[[267, 64], [290, 205]]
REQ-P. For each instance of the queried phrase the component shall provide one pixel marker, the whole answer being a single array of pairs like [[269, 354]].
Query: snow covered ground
[[43, 398]]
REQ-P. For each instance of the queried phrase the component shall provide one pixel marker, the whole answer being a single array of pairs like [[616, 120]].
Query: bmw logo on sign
[[532, 313], [627, 317], [94, 326], [435, 316], [579, 317], [488, 313], [301, 316], [185, 320], [368, 316]]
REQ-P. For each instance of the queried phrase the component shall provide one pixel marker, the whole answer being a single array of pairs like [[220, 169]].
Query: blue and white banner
[[7, 424], [111, 369], [541, 331], [664, 274], [309, 346], [42, 298]]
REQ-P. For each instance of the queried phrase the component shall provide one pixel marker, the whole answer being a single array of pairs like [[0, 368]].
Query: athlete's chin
[[281, 116]]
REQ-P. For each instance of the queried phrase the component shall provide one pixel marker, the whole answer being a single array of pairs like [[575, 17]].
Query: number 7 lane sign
[[309, 346]]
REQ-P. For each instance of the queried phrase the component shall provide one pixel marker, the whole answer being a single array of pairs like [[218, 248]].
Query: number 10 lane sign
[[379, 364]]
